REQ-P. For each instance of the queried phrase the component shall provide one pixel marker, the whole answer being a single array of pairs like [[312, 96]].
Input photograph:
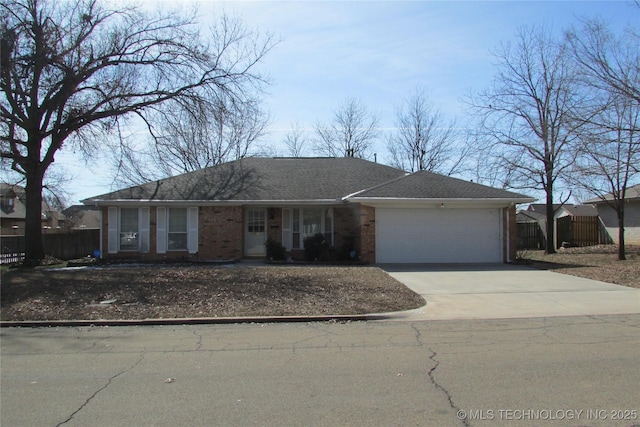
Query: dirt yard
[[146, 292], [593, 262]]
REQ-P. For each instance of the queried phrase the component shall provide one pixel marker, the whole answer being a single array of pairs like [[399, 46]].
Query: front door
[[255, 234]]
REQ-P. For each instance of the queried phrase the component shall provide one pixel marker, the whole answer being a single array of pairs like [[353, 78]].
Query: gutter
[[147, 202], [395, 200]]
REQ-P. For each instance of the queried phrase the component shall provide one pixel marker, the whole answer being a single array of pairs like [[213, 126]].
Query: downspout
[[508, 212], [101, 227]]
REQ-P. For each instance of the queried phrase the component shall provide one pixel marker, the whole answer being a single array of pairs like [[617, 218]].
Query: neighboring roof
[[304, 180], [268, 179], [428, 185], [632, 193], [580, 210], [572, 210], [19, 210], [529, 216], [82, 216]]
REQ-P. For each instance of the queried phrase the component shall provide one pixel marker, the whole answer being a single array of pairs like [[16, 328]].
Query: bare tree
[[424, 139], [609, 151], [351, 133], [295, 140], [525, 116], [612, 63], [485, 161], [73, 70], [609, 159], [192, 134]]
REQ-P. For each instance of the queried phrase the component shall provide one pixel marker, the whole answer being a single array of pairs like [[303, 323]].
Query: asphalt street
[[563, 371]]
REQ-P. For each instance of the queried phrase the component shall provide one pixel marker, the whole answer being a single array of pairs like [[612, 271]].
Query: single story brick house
[[374, 212]]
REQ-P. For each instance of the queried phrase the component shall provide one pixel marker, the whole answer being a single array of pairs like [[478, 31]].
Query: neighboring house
[[379, 213], [539, 210], [609, 218], [564, 210], [82, 217], [13, 212]]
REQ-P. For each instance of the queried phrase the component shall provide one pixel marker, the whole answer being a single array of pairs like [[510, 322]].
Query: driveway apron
[[501, 291]]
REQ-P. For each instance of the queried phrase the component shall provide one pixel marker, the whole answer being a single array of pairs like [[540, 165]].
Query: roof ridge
[[377, 186]]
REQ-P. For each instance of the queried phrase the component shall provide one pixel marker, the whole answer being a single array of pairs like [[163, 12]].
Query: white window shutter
[[143, 229], [286, 228], [192, 230], [112, 230], [161, 230]]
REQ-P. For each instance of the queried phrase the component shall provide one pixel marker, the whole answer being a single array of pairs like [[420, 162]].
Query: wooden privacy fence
[[578, 231], [530, 236], [65, 246]]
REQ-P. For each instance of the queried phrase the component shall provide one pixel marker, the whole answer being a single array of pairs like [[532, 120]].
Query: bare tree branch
[[424, 139], [70, 69], [526, 115], [351, 133]]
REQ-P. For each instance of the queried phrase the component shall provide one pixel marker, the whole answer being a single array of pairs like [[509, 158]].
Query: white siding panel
[[112, 230], [161, 230], [192, 228], [438, 235], [143, 228]]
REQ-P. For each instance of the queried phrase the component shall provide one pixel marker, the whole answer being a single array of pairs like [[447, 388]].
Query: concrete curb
[[195, 321]]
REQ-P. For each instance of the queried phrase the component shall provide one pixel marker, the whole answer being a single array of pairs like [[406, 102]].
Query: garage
[[438, 235]]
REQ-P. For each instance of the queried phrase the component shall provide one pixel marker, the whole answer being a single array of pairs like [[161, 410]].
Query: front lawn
[[592, 262], [184, 291]]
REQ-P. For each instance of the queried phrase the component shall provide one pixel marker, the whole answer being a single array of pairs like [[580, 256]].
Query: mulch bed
[[191, 291]]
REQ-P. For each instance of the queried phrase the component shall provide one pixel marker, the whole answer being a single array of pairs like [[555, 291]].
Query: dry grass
[[145, 292], [592, 262]]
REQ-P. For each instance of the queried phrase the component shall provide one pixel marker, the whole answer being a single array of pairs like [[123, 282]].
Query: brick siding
[[220, 233], [367, 234]]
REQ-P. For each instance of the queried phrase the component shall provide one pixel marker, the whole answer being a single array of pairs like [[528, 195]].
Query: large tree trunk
[[34, 247], [621, 253], [551, 244]]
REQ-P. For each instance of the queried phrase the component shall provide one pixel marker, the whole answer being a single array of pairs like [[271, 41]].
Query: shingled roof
[[428, 185], [293, 180], [632, 193], [264, 179]]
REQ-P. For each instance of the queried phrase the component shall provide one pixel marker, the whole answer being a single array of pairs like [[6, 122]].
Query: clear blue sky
[[378, 52]]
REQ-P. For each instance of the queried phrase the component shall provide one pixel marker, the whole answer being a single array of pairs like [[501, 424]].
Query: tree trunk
[[34, 247], [551, 244], [621, 253]]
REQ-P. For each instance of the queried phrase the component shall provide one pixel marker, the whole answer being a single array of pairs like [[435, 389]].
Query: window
[[177, 229], [129, 236], [255, 221], [127, 229], [307, 222]]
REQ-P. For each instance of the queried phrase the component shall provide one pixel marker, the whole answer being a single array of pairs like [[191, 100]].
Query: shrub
[[275, 250], [315, 247]]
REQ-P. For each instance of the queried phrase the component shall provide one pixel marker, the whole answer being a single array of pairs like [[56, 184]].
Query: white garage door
[[438, 235]]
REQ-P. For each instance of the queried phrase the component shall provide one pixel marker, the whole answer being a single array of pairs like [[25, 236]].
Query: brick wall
[[220, 232], [274, 224], [368, 234], [346, 230], [220, 237]]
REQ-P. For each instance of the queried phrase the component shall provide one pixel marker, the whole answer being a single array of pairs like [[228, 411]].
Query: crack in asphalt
[[440, 387], [90, 398], [432, 378], [198, 335]]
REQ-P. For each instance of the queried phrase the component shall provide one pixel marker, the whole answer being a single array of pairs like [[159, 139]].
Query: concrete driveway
[[501, 291]]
